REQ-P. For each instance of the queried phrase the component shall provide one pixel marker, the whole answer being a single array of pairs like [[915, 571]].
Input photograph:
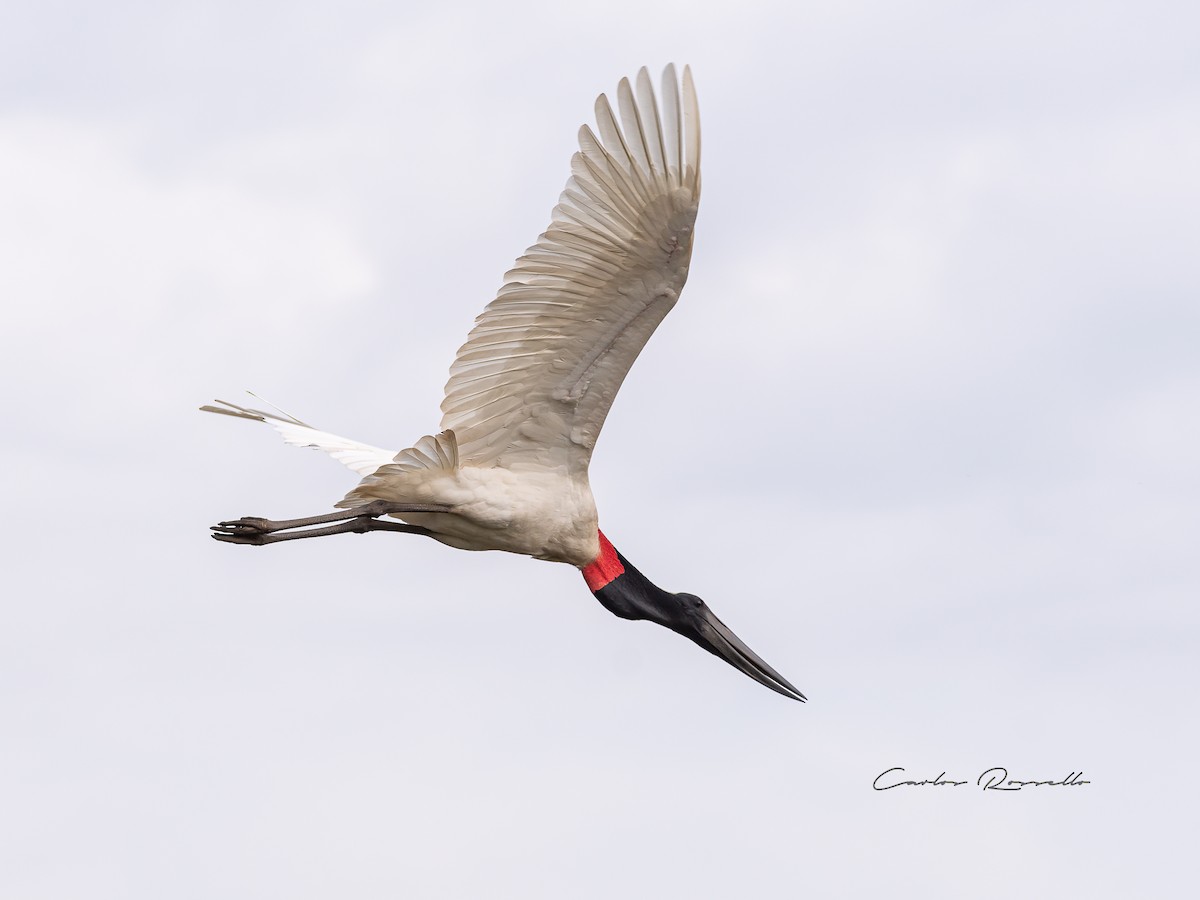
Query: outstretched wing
[[533, 384]]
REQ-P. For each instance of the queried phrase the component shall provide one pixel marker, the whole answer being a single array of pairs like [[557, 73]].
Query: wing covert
[[533, 384]]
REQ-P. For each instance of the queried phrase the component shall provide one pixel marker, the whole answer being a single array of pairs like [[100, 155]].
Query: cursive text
[[994, 779]]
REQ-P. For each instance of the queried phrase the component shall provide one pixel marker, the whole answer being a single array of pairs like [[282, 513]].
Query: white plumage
[[530, 389]]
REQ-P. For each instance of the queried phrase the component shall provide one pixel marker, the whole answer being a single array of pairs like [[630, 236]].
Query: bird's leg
[[357, 525], [249, 527]]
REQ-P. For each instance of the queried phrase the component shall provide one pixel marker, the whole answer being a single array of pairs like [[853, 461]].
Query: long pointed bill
[[715, 637]]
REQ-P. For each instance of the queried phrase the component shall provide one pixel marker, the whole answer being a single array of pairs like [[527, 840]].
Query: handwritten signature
[[994, 779]]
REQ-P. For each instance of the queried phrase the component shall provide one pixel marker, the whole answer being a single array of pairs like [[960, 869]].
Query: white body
[[546, 515]]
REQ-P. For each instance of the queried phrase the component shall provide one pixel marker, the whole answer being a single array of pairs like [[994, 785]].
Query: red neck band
[[605, 567]]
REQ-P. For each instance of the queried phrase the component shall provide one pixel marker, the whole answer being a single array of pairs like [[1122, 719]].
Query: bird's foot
[[246, 530]]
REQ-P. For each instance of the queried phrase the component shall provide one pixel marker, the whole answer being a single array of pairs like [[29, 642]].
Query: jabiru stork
[[529, 390]]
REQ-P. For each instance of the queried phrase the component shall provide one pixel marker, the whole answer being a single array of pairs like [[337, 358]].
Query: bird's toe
[[253, 538], [245, 525]]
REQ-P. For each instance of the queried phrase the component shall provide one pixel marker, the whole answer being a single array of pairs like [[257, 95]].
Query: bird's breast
[[547, 515]]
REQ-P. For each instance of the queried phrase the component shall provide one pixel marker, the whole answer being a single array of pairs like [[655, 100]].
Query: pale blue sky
[[923, 430]]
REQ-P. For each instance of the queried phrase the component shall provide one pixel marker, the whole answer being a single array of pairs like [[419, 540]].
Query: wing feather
[[651, 123], [673, 133], [691, 124], [631, 124], [533, 384]]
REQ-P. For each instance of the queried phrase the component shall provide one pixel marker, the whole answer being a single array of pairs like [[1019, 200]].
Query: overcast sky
[[923, 430]]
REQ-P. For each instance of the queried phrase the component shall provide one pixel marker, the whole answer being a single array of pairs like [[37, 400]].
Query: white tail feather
[[360, 458]]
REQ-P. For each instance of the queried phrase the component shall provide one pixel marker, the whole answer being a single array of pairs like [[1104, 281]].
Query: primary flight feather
[[530, 389]]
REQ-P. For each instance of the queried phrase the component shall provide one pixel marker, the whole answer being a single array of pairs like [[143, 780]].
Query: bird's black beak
[[702, 625], [627, 593]]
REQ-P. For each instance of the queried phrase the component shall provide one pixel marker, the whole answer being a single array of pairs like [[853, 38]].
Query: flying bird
[[530, 389]]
